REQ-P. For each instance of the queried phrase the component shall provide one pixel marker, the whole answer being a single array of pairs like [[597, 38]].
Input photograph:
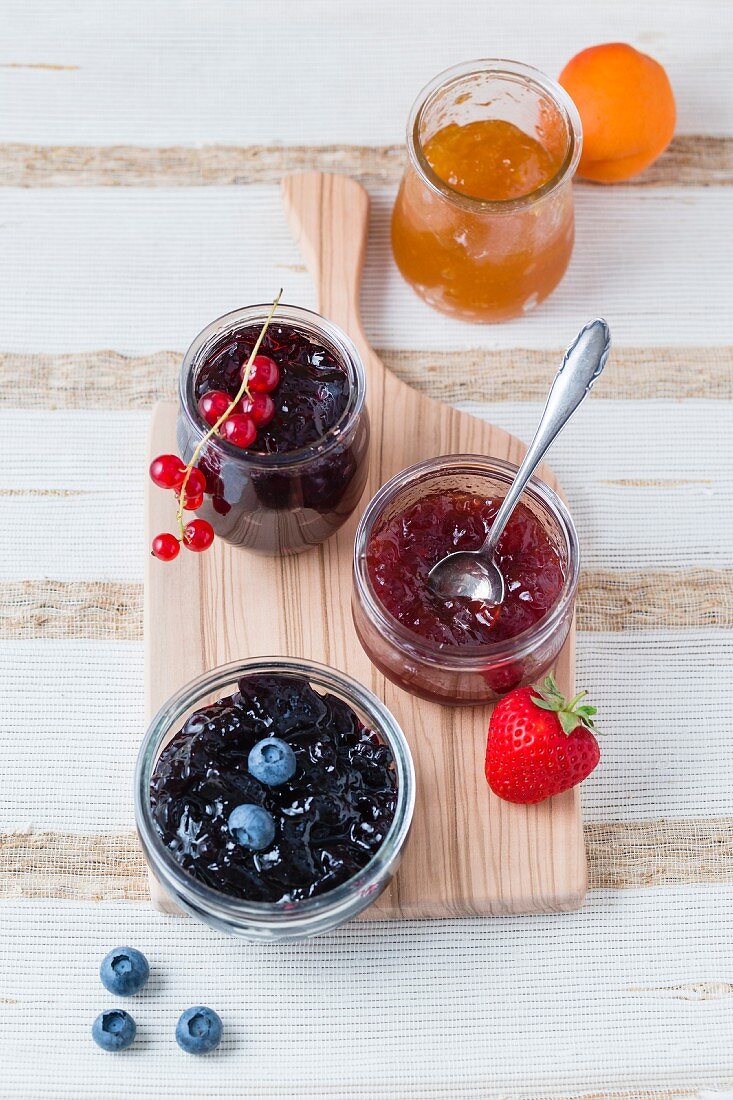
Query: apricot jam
[[490, 159], [483, 225]]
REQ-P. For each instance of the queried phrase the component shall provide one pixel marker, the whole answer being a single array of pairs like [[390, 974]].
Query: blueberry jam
[[403, 549], [310, 397], [330, 816], [288, 467]]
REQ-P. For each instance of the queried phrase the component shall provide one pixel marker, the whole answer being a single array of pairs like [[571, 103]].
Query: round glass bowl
[[260, 920], [287, 502], [466, 675], [487, 260]]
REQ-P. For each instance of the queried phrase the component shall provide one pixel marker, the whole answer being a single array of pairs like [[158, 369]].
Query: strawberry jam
[[403, 549], [330, 817]]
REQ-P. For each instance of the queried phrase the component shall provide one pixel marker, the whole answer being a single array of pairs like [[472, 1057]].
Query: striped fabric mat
[[141, 148]]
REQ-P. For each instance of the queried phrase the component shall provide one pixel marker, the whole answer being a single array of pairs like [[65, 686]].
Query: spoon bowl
[[471, 575], [475, 574]]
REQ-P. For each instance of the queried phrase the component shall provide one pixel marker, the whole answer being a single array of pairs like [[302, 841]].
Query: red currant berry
[[239, 430], [191, 503], [198, 535], [165, 547], [264, 375], [259, 406], [213, 405], [196, 483], [167, 471], [221, 506]]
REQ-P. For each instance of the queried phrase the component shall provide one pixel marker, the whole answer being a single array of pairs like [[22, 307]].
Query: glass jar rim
[[500, 67], [268, 915], [305, 319], [470, 658]]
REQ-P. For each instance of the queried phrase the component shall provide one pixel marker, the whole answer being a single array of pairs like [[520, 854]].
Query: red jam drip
[[403, 549]]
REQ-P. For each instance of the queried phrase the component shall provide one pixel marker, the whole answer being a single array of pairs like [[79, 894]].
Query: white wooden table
[[140, 148]]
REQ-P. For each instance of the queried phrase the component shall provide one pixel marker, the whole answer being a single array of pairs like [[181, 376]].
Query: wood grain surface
[[469, 853]]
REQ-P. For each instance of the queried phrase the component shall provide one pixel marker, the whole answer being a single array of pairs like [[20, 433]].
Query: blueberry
[[114, 1030], [124, 971], [252, 826], [198, 1030], [272, 761]]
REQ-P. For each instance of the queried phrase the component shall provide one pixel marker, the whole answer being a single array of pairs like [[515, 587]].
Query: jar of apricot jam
[[300, 476], [483, 222], [461, 651]]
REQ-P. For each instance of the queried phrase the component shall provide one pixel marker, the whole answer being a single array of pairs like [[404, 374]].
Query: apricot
[[627, 108]]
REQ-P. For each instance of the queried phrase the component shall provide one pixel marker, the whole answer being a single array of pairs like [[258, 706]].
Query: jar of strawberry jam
[[294, 466], [462, 651], [483, 223]]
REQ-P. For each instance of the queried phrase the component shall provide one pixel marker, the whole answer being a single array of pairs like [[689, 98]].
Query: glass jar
[[487, 259], [470, 674], [287, 502], [261, 920]]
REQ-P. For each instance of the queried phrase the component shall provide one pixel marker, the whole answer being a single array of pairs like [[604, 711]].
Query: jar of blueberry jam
[[274, 798], [462, 651], [288, 468]]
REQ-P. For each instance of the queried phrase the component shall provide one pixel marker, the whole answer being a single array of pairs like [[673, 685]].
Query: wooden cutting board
[[469, 853]]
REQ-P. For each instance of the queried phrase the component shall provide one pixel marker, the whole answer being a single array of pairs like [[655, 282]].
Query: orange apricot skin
[[627, 108]]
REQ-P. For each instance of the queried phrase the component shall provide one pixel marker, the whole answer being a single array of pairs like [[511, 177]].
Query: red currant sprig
[[235, 422], [167, 471], [165, 547], [239, 430], [214, 405], [198, 535], [261, 374], [260, 407]]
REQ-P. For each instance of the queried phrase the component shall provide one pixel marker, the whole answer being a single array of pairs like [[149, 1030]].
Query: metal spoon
[[474, 574]]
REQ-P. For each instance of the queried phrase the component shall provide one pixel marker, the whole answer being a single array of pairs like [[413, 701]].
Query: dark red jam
[[330, 818], [256, 496], [403, 549], [310, 397]]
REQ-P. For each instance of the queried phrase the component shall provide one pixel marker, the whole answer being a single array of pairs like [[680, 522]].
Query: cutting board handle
[[329, 219]]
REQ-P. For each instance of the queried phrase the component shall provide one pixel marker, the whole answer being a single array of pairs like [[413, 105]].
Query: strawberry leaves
[[570, 715]]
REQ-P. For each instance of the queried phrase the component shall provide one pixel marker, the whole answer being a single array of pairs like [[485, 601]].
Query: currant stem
[[243, 389]]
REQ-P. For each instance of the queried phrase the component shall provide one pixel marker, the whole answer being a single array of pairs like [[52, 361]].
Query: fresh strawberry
[[539, 744]]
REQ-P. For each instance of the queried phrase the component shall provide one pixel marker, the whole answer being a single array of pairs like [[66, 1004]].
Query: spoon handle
[[582, 364]]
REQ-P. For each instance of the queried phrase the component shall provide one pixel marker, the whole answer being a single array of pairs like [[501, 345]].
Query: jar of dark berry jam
[[302, 476], [342, 815], [460, 652]]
